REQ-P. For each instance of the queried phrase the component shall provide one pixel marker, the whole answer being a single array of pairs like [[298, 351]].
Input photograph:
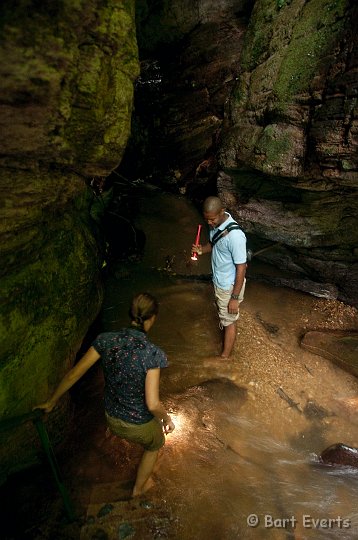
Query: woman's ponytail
[[143, 307]]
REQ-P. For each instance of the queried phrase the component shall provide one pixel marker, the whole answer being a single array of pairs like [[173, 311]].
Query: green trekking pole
[[36, 417], [46, 445]]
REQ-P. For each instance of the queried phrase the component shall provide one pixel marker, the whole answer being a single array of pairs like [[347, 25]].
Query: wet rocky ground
[[248, 430], [238, 422]]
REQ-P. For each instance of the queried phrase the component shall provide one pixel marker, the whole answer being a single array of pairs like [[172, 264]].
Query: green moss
[[274, 144], [318, 29], [48, 306], [258, 35], [77, 60], [348, 165], [80, 61], [301, 38], [99, 124]]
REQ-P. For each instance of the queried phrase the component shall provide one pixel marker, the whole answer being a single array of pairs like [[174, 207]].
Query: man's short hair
[[212, 205]]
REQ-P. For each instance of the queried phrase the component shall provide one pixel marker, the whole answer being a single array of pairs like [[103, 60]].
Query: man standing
[[227, 246]]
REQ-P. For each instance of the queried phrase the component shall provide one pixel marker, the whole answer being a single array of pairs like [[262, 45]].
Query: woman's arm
[[152, 399], [89, 358]]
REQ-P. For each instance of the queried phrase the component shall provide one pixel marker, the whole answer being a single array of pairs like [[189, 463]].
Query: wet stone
[[99, 534], [340, 454], [125, 530], [106, 509], [146, 504], [271, 328], [222, 390], [161, 527], [314, 411]]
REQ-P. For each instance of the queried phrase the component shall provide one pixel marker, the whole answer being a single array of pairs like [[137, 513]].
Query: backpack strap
[[219, 234]]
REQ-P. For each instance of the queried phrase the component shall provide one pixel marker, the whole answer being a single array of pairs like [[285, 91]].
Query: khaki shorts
[[222, 299], [149, 435]]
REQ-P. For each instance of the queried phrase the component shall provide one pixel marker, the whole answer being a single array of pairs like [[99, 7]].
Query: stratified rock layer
[[289, 148], [189, 64], [67, 72], [267, 94]]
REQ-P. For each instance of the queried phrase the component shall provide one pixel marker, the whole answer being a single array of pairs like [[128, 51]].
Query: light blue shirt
[[226, 253]]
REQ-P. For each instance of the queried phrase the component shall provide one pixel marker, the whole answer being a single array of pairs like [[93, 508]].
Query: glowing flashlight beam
[[194, 256], [182, 428]]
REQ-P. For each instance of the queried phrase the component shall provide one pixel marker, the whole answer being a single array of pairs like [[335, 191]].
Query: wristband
[[235, 296]]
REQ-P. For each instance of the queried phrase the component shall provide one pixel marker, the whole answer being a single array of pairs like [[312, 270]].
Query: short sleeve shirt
[[226, 253], [126, 357]]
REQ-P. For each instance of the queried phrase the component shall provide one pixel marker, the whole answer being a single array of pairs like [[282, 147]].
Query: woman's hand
[[168, 426], [48, 406], [87, 360]]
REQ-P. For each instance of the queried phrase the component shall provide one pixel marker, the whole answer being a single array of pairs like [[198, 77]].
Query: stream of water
[[241, 463], [233, 468]]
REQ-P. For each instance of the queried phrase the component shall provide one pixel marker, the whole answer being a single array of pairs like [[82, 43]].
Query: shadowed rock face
[[340, 454], [67, 72], [290, 142], [267, 97], [188, 67]]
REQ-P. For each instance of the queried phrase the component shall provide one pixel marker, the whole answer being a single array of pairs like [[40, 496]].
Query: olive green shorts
[[149, 435]]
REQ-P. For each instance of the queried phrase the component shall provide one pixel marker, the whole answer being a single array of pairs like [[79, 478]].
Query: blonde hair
[[143, 307]]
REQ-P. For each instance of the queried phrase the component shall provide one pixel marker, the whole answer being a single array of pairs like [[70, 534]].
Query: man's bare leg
[[229, 340], [144, 481]]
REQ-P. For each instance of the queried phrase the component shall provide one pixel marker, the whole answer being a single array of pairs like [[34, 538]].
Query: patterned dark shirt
[[126, 357]]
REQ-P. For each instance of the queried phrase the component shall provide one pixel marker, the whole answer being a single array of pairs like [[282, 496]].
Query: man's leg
[[229, 339], [227, 320], [143, 481]]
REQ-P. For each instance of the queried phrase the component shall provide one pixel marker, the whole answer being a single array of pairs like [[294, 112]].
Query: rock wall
[[289, 145], [67, 71], [264, 92], [190, 54]]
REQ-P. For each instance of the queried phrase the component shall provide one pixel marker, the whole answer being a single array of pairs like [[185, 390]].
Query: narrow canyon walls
[[67, 71]]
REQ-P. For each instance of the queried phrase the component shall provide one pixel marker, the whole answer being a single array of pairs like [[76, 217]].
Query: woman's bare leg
[[143, 481]]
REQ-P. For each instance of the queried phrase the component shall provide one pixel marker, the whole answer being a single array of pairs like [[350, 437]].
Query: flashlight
[[194, 256]]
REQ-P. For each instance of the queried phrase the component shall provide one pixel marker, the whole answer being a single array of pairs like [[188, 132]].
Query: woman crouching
[[131, 366]]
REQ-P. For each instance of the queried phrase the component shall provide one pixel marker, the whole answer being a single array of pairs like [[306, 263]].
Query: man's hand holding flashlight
[[198, 249]]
